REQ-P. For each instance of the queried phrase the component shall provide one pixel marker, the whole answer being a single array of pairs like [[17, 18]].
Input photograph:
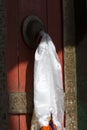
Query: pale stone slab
[[20, 103]]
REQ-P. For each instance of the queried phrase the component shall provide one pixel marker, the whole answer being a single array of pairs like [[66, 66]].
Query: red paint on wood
[[26, 54], [12, 41], [25, 122], [55, 25], [20, 58], [26, 74], [13, 122]]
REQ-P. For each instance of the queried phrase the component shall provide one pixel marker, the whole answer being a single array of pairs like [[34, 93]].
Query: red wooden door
[[20, 58]]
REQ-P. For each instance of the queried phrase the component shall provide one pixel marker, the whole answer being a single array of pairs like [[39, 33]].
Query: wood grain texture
[[13, 122], [55, 28], [20, 57], [12, 46], [26, 54]]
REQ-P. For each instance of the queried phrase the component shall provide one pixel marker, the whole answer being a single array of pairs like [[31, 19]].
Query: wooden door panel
[[12, 42], [25, 122], [13, 122], [55, 25], [20, 57], [26, 54]]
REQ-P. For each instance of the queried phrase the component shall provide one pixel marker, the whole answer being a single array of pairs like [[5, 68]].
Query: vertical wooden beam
[[13, 122], [26, 54], [70, 65], [12, 57], [12, 46], [54, 19]]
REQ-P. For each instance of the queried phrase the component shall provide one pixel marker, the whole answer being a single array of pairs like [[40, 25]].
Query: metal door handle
[[32, 26]]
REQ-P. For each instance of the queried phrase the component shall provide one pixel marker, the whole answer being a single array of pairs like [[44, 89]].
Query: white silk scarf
[[48, 84]]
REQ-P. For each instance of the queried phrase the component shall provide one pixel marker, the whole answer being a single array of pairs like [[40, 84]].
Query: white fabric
[[48, 86]]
